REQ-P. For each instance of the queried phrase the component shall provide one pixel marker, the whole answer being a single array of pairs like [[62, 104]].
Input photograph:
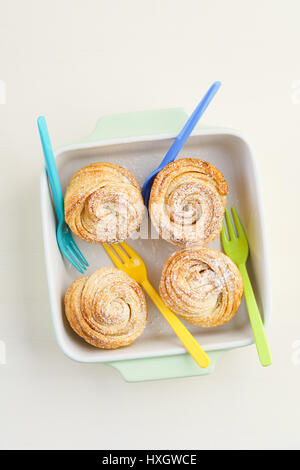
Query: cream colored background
[[75, 60]]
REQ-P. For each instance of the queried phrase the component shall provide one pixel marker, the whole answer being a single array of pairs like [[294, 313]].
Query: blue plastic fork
[[180, 139], [64, 237]]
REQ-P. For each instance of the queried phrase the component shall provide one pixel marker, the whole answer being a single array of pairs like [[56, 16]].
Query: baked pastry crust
[[201, 285], [107, 309], [103, 204], [187, 201]]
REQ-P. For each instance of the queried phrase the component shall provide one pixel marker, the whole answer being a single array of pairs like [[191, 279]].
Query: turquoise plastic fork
[[237, 248], [180, 139], [64, 237]]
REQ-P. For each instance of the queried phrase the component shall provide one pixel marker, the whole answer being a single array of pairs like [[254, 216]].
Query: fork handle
[[189, 125], [57, 194], [195, 350], [259, 334]]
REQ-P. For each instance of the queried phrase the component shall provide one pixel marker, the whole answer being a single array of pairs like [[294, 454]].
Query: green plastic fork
[[237, 248]]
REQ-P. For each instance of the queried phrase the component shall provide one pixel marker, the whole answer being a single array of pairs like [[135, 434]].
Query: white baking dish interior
[[232, 156]]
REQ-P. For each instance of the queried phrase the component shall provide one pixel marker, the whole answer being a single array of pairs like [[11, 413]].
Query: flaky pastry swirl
[[103, 204], [187, 201], [201, 285], [107, 309]]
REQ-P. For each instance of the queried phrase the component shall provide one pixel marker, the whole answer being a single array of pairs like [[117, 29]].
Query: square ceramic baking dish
[[138, 141]]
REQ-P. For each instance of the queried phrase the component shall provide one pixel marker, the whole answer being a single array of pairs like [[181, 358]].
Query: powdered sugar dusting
[[187, 201], [103, 204], [202, 285]]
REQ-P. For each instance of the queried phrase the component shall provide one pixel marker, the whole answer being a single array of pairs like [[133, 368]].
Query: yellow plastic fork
[[130, 262]]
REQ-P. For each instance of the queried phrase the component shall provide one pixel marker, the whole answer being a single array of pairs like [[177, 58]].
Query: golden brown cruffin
[[201, 285], [187, 201], [107, 309], [103, 204]]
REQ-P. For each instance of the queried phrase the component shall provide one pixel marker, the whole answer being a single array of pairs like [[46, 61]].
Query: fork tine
[[224, 237], [230, 227], [69, 257], [112, 255], [75, 258], [124, 257], [130, 251], [238, 224], [78, 252]]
